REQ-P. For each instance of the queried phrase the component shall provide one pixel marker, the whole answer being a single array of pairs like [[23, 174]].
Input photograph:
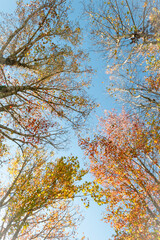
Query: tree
[[40, 74], [37, 202], [125, 161], [127, 33], [124, 154], [124, 29]]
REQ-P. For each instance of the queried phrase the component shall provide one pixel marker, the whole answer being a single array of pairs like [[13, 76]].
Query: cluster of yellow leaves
[[41, 192]]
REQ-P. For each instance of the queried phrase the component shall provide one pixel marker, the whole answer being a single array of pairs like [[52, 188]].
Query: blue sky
[[92, 226]]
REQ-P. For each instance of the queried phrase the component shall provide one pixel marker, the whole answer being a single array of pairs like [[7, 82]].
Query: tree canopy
[[124, 152], [44, 75], [38, 199], [41, 74], [125, 161], [127, 34]]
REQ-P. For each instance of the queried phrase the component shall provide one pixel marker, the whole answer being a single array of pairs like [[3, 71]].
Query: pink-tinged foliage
[[125, 162]]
